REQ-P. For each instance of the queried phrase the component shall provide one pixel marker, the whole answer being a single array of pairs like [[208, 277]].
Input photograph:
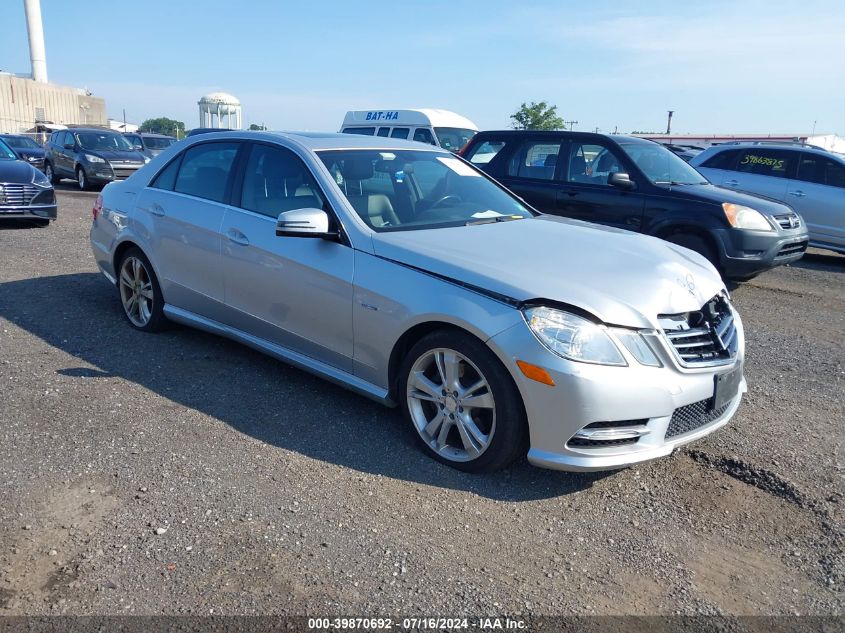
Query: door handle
[[731, 183], [157, 209], [237, 237], [797, 193]]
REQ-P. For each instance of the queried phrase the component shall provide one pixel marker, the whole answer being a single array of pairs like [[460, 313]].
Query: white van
[[437, 127]]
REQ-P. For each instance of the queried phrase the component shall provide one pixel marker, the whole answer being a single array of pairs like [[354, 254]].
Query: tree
[[163, 125], [537, 116], [256, 127]]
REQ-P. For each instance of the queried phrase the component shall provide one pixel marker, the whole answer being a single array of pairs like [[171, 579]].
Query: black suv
[[91, 156], [639, 185]]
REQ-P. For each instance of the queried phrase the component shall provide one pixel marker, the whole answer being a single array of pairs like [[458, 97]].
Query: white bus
[[447, 129]]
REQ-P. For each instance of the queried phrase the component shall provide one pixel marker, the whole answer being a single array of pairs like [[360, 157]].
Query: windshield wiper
[[498, 218]]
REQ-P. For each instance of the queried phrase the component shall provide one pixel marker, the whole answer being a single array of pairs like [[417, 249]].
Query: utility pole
[[571, 125], [596, 130], [669, 122]]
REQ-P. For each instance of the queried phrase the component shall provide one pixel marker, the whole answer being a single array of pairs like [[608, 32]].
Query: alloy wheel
[[80, 176], [451, 405], [136, 291]]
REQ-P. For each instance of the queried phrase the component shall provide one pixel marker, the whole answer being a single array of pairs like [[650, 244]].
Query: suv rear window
[[722, 160]]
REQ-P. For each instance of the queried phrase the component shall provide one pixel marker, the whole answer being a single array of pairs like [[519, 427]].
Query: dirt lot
[[181, 473]]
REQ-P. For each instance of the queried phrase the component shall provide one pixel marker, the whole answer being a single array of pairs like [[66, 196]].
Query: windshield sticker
[[487, 214], [458, 167], [751, 159]]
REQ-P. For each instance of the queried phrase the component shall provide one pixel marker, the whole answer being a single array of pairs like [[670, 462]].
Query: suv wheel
[[697, 244], [462, 403], [51, 175], [82, 179]]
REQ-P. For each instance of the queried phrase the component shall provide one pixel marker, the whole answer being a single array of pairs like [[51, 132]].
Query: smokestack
[[35, 31]]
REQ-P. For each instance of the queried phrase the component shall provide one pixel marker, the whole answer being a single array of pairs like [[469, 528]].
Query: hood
[[16, 171], [622, 278], [714, 193], [117, 156]]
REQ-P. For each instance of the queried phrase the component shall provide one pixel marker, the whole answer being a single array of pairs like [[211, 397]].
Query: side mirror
[[622, 181], [304, 223]]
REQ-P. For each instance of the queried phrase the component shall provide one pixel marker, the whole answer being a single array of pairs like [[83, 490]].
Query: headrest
[[279, 167], [357, 168], [550, 161]]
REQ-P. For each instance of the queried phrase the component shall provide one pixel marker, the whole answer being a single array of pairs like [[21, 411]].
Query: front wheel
[[82, 179], [140, 293], [51, 174], [462, 403], [697, 244]]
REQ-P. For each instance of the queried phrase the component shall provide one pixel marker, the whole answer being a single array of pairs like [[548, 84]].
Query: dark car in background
[[25, 148], [639, 185], [150, 145], [91, 156], [687, 152], [25, 191]]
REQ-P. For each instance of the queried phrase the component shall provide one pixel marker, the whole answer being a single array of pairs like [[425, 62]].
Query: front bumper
[[745, 253], [103, 173], [586, 394], [33, 212]]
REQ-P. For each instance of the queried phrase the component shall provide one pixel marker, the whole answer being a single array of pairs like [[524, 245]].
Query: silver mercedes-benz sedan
[[402, 272]]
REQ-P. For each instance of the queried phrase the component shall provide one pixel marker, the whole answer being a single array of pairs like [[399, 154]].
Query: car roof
[[799, 147], [316, 141], [619, 138], [96, 130], [150, 135]]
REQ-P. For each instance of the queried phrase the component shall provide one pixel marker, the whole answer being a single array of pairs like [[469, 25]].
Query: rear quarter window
[[482, 153], [722, 160]]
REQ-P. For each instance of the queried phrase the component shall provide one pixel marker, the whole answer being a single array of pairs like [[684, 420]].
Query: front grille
[[692, 416], [706, 336], [792, 249], [17, 195], [788, 220], [121, 173]]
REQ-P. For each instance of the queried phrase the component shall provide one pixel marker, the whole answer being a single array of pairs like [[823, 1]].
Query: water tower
[[217, 105]]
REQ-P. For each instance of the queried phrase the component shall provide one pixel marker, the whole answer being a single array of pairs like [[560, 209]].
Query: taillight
[[98, 205]]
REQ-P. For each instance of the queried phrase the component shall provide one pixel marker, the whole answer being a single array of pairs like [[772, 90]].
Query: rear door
[[292, 291], [763, 171], [583, 191], [818, 194], [529, 169], [186, 203]]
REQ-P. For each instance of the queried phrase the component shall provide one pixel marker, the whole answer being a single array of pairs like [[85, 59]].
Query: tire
[[484, 437], [697, 244], [82, 179], [137, 281], [51, 174]]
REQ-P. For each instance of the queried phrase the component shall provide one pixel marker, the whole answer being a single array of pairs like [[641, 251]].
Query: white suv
[[809, 179]]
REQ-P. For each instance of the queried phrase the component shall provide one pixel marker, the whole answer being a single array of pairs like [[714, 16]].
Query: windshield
[[21, 142], [155, 142], [661, 166], [104, 141], [6, 152], [453, 138], [399, 190]]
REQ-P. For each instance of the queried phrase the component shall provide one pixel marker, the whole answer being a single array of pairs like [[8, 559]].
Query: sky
[[735, 66]]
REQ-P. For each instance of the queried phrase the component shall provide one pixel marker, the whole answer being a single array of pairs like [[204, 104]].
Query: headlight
[[39, 179], [94, 159], [32, 159], [146, 159], [742, 217], [572, 337], [637, 346]]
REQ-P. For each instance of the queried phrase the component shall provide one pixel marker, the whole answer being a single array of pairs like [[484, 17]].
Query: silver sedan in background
[[402, 272]]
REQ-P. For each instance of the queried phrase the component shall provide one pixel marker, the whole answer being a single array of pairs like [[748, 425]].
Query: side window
[[766, 162], [205, 170], [363, 131], [166, 178], [535, 159], [400, 132], [483, 153], [821, 170], [422, 135], [66, 139], [136, 141], [722, 160], [591, 164], [384, 131], [276, 180]]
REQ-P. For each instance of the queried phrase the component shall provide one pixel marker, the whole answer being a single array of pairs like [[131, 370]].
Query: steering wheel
[[442, 200]]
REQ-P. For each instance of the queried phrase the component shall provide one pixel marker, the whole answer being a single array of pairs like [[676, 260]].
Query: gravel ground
[[182, 473]]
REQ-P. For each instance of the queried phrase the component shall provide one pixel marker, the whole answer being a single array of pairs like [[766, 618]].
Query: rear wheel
[[51, 174], [140, 293], [462, 403]]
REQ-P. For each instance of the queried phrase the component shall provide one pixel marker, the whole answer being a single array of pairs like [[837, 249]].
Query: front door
[[292, 291], [818, 194]]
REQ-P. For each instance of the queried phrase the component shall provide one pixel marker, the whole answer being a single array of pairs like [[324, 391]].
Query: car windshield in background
[[153, 142], [21, 142], [6, 152], [103, 142], [397, 190], [661, 166], [453, 138]]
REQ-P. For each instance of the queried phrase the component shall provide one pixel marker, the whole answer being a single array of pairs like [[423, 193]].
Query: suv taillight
[[98, 205]]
